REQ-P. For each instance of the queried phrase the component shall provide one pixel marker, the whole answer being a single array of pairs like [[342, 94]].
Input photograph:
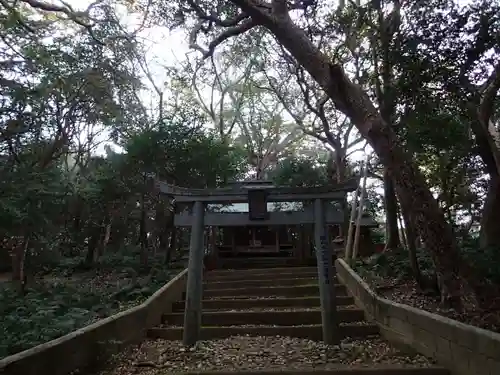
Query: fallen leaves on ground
[[407, 292], [256, 353]]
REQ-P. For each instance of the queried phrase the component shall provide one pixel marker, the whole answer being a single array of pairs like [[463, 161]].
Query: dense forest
[[294, 91]]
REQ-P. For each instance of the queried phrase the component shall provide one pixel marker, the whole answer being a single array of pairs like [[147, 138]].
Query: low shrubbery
[[71, 296], [395, 264]]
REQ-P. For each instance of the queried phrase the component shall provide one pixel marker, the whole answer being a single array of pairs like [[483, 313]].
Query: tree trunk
[[163, 241], [106, 234], [167, 226], [489, 151], [76, 237], [93, 242], [117, 235], [402, 232], [16, 250], [171, 245], [412, 248], [19, 254], [340, 161], [159, 231], [428, 284], [490, 220], [391, 214], [454, 274], [143, 233], [18, 267]]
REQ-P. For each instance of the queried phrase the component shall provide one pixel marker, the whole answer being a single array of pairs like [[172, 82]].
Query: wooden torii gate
[[258, 194]]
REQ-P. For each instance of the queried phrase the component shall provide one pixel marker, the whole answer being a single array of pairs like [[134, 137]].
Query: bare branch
[[207, 108], [281, 97], [348, 132], [239, 102], [212, 96], [234, 27], [193, 35], [48, 7], [213, 19], [223, 36], [316, 135], [356, 141], [358, 149], [66, 9], [374, 175], [228, 33]]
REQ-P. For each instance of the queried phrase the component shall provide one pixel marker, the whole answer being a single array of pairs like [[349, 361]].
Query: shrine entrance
[[259, 232], [252, 241]]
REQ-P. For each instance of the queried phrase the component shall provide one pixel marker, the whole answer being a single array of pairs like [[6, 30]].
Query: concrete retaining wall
[[95, 343], [464, 349]]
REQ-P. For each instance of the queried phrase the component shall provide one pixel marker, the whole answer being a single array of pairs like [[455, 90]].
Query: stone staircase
[[264, 302], [274, 303]]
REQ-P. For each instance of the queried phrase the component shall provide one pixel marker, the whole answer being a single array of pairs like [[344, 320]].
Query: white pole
[[351, 226], [348, 245], [360, 212]]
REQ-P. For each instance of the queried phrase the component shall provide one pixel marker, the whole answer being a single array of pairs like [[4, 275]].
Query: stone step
[[278, 318], [260, 276], [255, 263], [261, 271], [372, 369], [219, 272], [246, 303], [282, 291], [311, 332], [230, 284]]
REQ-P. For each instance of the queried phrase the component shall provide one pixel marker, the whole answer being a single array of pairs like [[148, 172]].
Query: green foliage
[[486, 261], [294, 171], [28, 207], [59, 88], [67, 299], [185, 156], [394, 264], [378, 235], [445, 53]]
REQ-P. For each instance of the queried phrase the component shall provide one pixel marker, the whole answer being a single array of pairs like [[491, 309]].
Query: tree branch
[[243, 27], [67, 10], [490, 91], [374, 175], [234, 27], [228, 33], [212, 18]]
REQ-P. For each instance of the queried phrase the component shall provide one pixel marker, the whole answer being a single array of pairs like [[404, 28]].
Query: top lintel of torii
[[237, 192]]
